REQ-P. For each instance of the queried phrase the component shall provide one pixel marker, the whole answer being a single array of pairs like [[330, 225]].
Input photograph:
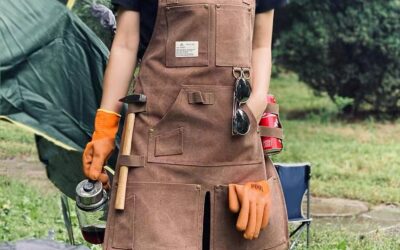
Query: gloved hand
[[254, 201], [99, 149]]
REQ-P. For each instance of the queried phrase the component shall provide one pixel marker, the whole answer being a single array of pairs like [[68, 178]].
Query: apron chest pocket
[[187, 46], [233, 35]]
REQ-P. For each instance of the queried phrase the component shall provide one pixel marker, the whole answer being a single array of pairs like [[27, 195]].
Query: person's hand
[[253, 200], [99, 149], [257, 106]]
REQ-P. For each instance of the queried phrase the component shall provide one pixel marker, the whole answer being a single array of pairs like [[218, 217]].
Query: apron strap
[[195, 97], [271, 132], [131, 160]]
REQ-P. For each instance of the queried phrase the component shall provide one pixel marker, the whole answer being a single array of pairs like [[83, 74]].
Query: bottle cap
[[90, 195]]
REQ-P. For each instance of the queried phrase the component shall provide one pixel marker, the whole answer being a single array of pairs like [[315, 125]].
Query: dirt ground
[[27, 170]]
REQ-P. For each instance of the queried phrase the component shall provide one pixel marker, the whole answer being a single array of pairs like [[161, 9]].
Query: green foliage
[[22, 209], [82, 9], [348, 48]]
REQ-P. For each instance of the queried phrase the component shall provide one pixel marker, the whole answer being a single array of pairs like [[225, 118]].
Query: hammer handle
[[123, 170]]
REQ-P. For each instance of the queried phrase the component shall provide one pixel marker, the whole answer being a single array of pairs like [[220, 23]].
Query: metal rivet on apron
[[206, 6], [198, 187], [151, 130], [218, 5]]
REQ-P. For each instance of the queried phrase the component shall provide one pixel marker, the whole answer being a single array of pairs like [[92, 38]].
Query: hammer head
[[134, 98]]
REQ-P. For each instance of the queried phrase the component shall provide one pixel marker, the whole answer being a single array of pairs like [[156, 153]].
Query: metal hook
[[237, 72]]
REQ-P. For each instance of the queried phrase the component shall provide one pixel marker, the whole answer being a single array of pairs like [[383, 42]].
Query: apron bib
[[183, 153]]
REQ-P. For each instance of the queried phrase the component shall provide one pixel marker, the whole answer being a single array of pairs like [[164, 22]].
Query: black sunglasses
[[242, 91]]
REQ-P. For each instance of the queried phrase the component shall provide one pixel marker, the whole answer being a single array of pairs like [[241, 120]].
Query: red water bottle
[[271, 145]]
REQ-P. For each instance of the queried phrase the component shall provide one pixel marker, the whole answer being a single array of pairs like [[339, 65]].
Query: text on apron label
[[186, 48]]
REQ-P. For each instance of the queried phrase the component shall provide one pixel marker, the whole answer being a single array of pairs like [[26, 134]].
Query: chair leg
[[296, 235], [308, 234], [67, 218]]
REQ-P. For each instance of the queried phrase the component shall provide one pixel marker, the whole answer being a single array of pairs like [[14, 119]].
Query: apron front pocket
[[123, 224], [233, 35], [167, 215], [196, 130], [224, 223], [187, 46], [170, 143]]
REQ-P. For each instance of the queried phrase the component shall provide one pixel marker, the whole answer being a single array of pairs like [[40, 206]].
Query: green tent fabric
[[51, 72]]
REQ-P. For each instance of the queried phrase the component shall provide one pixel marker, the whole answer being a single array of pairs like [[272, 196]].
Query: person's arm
[[122, 60], [261, 62], [118, 75]]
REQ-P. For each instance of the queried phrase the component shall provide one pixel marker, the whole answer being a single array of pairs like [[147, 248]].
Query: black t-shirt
[[148, 12]]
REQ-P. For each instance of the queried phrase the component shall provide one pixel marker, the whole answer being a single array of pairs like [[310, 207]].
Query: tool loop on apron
[[131, 160], [271, 132], [201, 97]]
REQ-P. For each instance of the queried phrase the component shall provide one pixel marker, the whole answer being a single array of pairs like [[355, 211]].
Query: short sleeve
[[266, 5], [127, 4]]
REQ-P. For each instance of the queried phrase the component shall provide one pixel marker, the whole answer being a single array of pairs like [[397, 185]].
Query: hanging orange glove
[[99, 149], [255, 202]]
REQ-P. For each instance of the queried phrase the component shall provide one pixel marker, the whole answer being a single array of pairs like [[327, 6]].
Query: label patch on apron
[[186, 48]]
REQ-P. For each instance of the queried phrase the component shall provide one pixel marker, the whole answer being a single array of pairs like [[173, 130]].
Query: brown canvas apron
[[182, 145]]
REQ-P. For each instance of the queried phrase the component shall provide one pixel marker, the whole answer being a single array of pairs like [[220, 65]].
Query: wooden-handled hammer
[[126, 149]]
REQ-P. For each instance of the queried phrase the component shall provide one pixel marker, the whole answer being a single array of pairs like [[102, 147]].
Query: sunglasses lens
[[241, 122], [243, 90]]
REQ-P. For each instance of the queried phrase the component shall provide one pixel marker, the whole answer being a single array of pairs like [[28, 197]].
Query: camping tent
[[51, 72]]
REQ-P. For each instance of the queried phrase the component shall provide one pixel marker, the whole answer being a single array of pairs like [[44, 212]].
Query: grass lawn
[[16, 142], [357, 160]]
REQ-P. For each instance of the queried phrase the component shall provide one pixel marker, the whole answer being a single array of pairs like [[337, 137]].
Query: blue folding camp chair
[[295, 180]]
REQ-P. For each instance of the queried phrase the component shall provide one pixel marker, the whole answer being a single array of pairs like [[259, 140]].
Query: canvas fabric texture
[[183, 136]]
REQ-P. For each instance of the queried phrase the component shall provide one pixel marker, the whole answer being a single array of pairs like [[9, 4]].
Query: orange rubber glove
[[255, 202], [99, 149]]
